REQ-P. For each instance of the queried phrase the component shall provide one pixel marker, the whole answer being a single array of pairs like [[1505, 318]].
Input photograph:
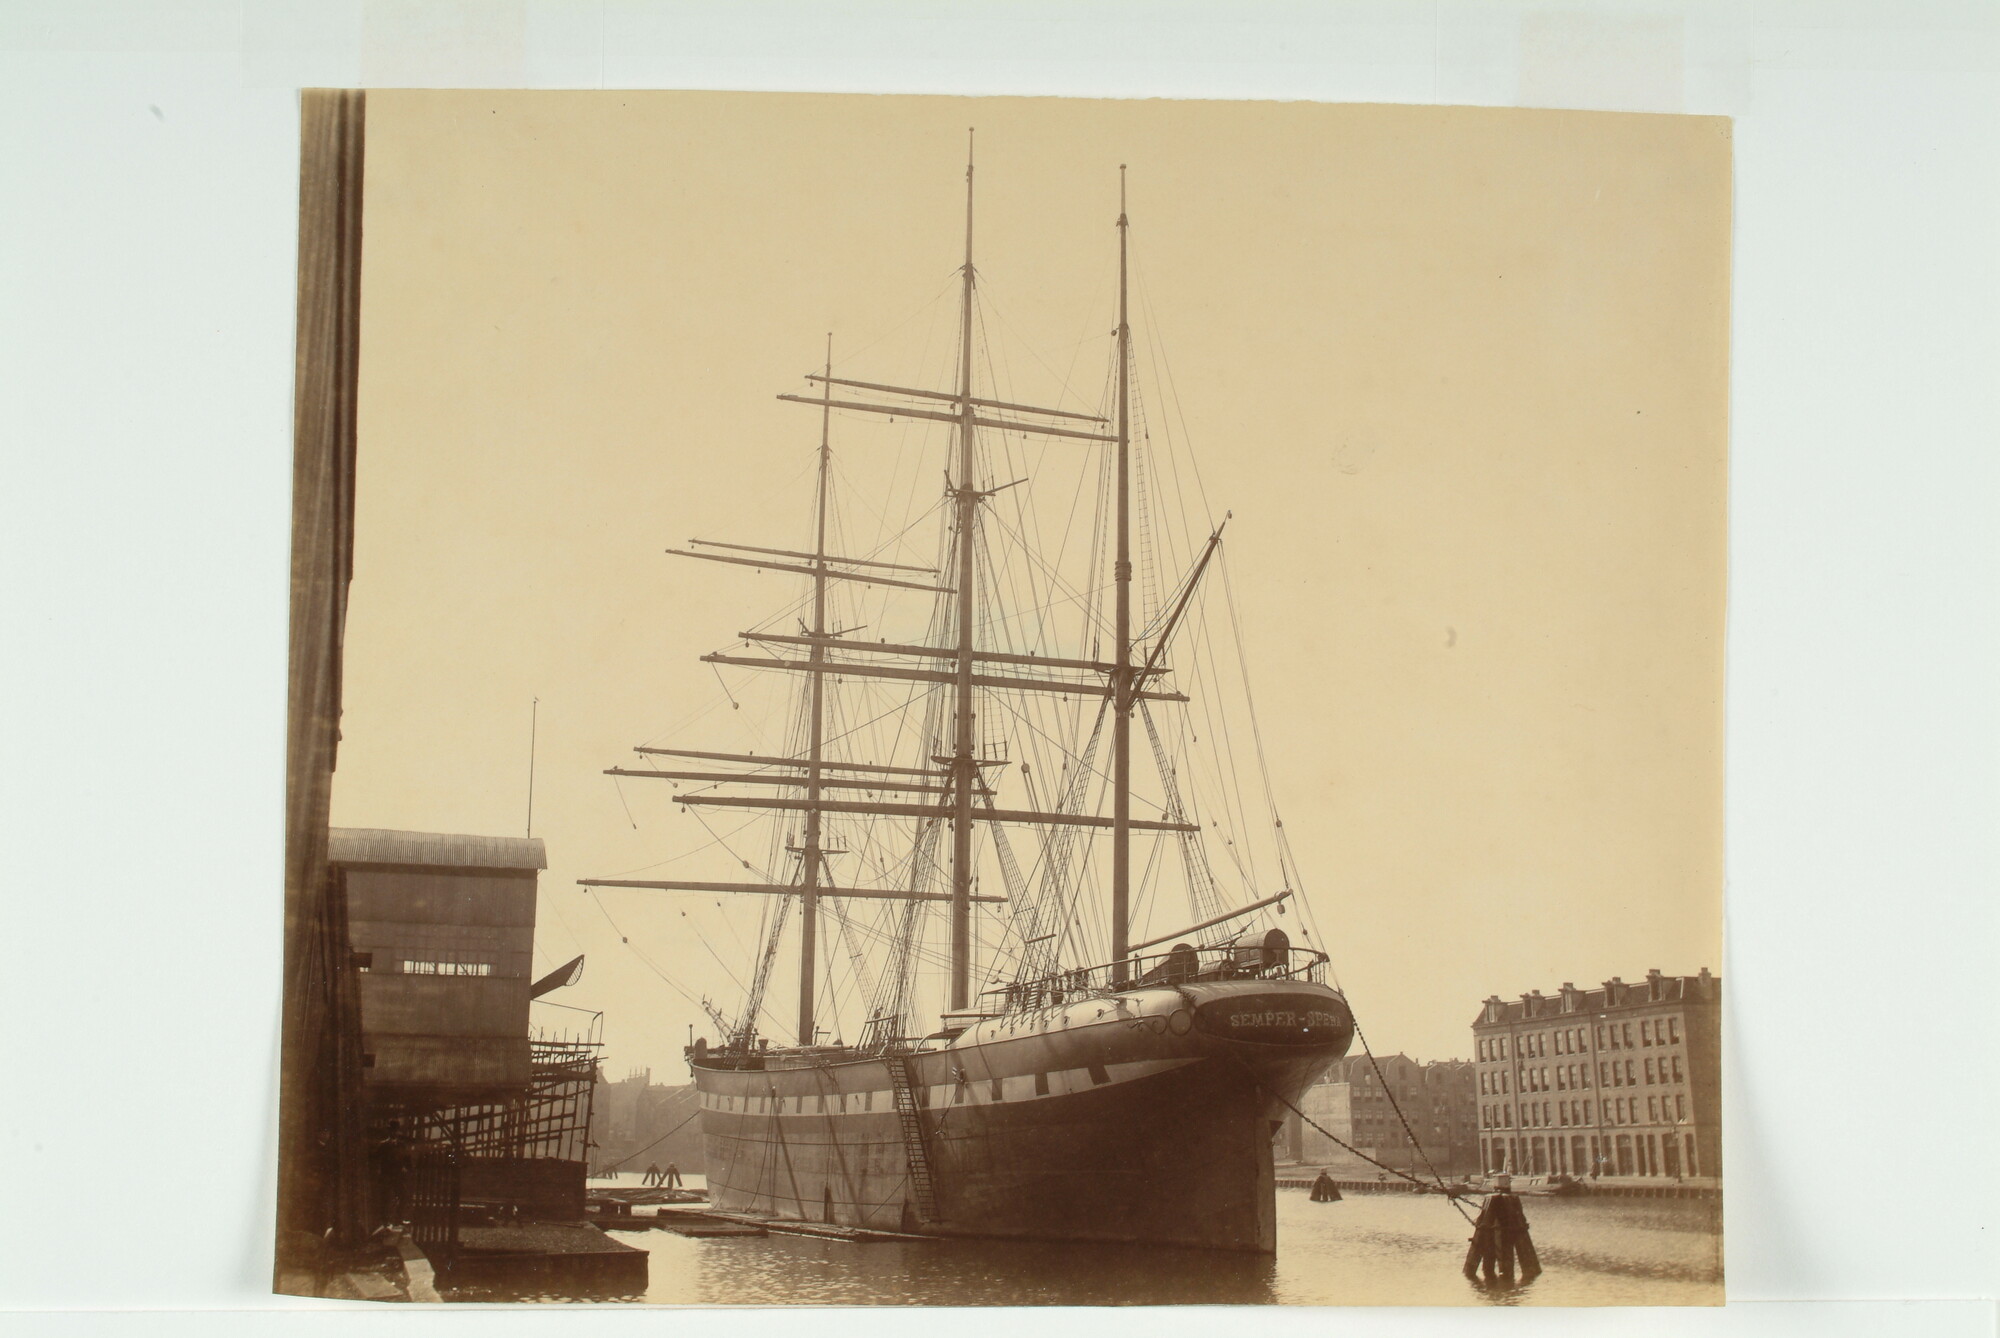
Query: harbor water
[[1367, 1249]]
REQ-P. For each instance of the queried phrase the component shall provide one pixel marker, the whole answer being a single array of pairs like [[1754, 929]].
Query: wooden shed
[[442, 928]]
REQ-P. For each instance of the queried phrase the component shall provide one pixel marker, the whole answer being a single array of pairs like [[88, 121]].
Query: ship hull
[[1141, 1116]]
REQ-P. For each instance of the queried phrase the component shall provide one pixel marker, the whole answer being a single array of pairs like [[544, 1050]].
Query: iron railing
[[1184, 965]]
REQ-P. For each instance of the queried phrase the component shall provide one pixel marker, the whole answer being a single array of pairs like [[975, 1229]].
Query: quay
[[1624, 1187], [563, 1256]]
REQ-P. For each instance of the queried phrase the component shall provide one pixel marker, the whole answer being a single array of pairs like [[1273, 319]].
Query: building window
[[1628, 1035], [1631, 1073], [411, 968], [1680, 1107], [1674, 1030], [1649, 1070], [1600, 1035], [1652, 1110], [1677, 1069]]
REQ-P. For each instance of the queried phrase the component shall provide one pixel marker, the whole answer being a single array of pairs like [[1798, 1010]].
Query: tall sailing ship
[[980, 813]]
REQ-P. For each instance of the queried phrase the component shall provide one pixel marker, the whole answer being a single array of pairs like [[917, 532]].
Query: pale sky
[[1459, 374]]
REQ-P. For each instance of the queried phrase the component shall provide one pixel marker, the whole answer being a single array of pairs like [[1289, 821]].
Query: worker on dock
[[653, 1174], [389, 1155], [1324, 1190], [671, 1177]]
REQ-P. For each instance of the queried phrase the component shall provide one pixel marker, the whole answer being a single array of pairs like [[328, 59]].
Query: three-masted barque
[[1092, 1087]]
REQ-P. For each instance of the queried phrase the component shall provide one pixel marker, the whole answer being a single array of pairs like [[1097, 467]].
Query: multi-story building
[[1358, 1107], [1624, 1080], [637, 1122]]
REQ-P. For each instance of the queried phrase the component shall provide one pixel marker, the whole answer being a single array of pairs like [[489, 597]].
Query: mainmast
[[1121, 678], [812, 856], [964, 766]]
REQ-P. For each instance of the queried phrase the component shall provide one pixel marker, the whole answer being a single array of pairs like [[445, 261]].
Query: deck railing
[[1182, 966]]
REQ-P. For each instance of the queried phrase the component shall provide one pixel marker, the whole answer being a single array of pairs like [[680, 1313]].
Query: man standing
[[1324, 1190], [671, 1178]]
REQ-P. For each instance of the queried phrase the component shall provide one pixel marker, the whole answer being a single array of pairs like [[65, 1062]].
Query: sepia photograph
[[1181, 644]]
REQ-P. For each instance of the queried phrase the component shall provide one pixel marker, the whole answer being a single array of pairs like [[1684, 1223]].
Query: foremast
[[1122, 678]]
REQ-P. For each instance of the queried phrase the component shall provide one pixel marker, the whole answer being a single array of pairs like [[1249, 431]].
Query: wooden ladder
[[914, 1146]]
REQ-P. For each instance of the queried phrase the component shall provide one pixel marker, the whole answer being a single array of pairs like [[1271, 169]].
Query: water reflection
[[1368, 1249]]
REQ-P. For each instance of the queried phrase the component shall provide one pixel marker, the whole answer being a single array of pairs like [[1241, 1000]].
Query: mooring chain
[[1396, 1106], [1335, 1139]]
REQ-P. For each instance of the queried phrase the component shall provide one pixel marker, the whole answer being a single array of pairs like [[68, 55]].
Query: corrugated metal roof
[[371, 845]]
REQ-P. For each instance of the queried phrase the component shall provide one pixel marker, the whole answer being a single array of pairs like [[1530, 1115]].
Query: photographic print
[[991, 701]]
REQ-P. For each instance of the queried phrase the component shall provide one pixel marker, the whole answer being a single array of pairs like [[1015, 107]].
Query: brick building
[[1353, 1104], [1624, 1080]]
